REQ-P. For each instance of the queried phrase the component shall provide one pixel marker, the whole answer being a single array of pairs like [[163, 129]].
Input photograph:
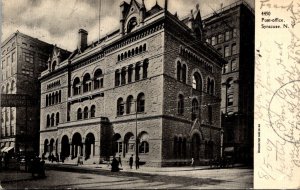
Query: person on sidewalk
[[114, 165], [131, 161], [120, 161], [193, 163], [137, 163]]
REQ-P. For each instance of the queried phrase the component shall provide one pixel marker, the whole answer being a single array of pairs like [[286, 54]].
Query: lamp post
[[136, 137], [222, 135]]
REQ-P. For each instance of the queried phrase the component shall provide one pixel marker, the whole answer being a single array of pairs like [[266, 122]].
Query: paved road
[[195, 179]]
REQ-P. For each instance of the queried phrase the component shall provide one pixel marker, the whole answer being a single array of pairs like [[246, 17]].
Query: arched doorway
[[51, 147], [46, 144], [89, 145], [116, 144], [129, 142], [65, 146], [195, 146], [76, 145]]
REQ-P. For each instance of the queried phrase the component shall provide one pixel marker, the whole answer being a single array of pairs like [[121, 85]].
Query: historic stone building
[[231, 31], [23, 58], [153, 83]]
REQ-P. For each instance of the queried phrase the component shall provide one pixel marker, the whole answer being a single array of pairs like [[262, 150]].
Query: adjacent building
[[152, 87], [23, 58], [231, 31]]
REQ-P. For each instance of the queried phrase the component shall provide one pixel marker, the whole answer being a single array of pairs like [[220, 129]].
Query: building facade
[[231, 31], [152, 87], [22, 60]]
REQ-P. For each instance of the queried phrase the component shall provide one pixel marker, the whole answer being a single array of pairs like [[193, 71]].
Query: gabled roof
[[155, 9]]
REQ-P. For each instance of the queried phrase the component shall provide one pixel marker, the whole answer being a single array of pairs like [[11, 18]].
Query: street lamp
[[222, 134], [136, 137]]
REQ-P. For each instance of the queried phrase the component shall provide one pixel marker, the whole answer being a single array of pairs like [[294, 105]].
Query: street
[[104, 179]]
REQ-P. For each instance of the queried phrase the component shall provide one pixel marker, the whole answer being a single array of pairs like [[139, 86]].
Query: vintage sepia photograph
[[127, 94]]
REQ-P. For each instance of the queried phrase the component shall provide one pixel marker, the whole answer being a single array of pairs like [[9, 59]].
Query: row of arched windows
[[85, 113], [132, 52], [132, 72], [6, 89], [130, 104], [88, 82], [53, 98], [196, 79], [53, 119]]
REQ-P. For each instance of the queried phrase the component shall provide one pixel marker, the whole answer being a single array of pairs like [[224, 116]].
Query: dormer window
[[131, 24]]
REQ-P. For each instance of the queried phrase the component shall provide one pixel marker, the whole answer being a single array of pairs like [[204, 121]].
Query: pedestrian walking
[[114, 165], [120, 161], [137, 163], [131, 161], [193, 163]]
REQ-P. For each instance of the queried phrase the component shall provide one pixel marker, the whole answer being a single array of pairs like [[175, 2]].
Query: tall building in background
[[152, 88], [230, 31], [23, 58]]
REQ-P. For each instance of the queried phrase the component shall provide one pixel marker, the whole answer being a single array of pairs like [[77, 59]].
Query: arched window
[[120, 106], [130, 73], [93, 111], [46, 100], [52, 120], [131, 24], [141, 49], [178, 71], [144, 147], [209, 114], [57, 118], [85, 112], [125, 55], [48, 120], [144, 47], [3, 89], [53, 66], [119, 58], [145, 68], [208, 85], [136, 50], [123, 76], [197, 81], [79, 114], [137, 72], [53, 98], [129, 53], [76, 86], [87, 83], [50, 99], [141, 102], [130, 104], [98, 79], [212, 87], [184, 71], [117, 78], [175, 147], [56, 97], [12, 88], [180, 105], [59, 96], [195, 109], [7, 88]]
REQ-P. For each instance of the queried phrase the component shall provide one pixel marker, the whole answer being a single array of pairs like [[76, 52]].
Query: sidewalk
[[8, 176]]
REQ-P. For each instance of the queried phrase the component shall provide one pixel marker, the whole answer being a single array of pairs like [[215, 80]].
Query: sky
[[58, 21]]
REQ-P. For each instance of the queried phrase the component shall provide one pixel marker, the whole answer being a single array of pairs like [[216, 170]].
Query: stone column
[[83, 150], [97, 148], [133, 74]]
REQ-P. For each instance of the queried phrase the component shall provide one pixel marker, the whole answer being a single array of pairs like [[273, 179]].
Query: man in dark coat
[[120, 161], [114, 165], [131, 161]]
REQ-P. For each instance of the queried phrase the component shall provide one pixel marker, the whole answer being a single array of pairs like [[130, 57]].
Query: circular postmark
[[284, 112]]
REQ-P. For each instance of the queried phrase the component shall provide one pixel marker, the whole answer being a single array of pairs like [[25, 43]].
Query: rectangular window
[[233, 49], [7, 61], [220, 38], [213, 41], [13, 57], [28, 57], [227, 36], [233, 65], [226, 68], [226, 51], [208, 40], [234, 33]]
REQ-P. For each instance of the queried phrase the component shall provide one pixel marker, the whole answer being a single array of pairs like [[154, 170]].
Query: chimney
[[82, 39], [166, 5]]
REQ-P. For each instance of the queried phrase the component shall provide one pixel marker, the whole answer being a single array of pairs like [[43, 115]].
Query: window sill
[[130, 114]]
